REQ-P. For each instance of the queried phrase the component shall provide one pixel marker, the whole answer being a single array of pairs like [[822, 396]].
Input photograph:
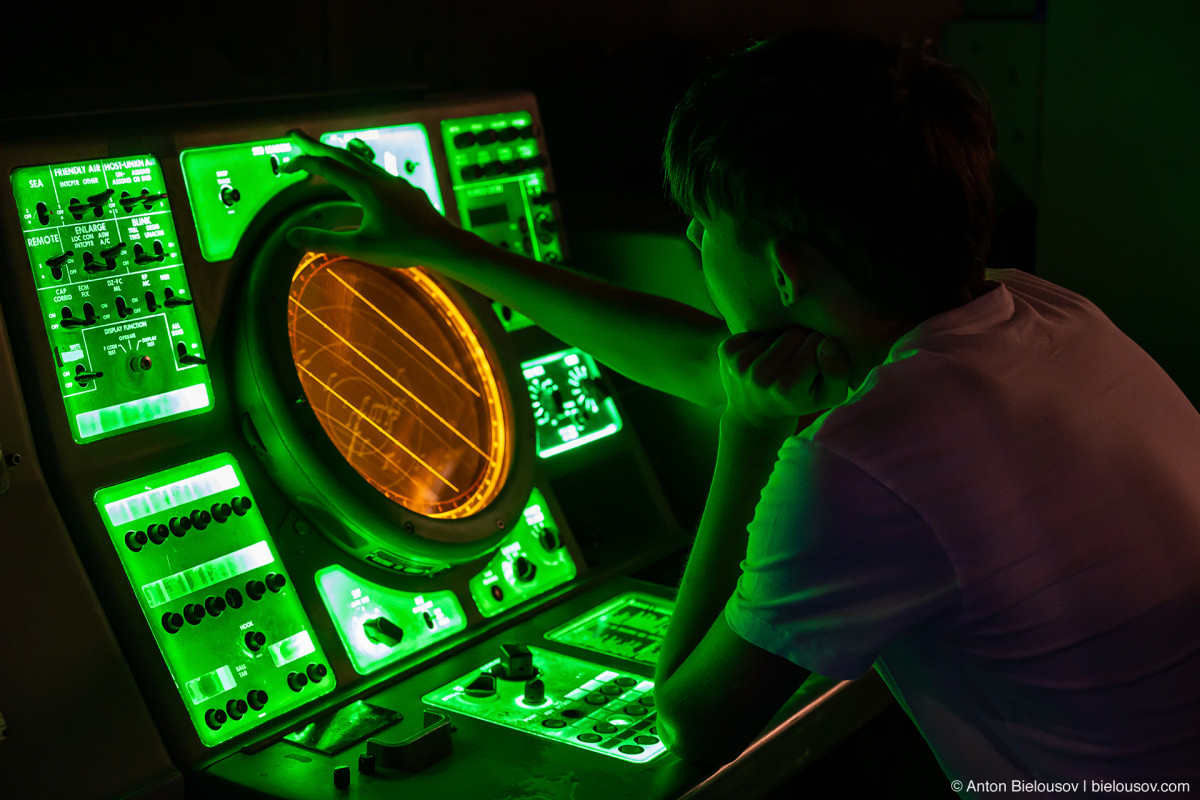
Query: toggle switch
[[382, 630]]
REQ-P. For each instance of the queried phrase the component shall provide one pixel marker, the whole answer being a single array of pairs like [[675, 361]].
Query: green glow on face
[[228, 184], [568, 403], [358, 605], [529, 562], [401, 150], [621, 723], [498, 175], [218, 600], [631, 626], [113, 293]]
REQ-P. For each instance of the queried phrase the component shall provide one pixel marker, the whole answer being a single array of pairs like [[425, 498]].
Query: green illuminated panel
[[113, 293], [401, 150], [530, 561], [379, 625], [585, 705], [228, 184], [216, 596], [631, 626], [499, 179], [569, 405]]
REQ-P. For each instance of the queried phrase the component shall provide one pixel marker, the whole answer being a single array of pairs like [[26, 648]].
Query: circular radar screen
[[400, 383]]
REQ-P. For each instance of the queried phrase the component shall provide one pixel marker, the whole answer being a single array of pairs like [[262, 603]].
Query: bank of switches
[[216, 596]]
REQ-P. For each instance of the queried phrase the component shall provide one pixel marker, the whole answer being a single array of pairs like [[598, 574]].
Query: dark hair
[[877, 154]]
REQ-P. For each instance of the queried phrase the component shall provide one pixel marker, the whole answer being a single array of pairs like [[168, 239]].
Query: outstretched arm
[[661, 343]]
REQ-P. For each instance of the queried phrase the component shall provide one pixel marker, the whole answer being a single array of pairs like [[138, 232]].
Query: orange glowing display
[[400, 383]]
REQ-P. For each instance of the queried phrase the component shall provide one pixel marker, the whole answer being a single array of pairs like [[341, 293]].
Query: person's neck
[[868, 344]]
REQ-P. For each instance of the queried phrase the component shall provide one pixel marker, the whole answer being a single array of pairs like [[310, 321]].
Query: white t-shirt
[[1005, 520]]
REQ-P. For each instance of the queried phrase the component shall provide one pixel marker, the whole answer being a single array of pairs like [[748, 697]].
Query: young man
[[999, 508]]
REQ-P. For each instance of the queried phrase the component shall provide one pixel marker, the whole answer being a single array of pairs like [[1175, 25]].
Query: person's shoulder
[[1036, 289]]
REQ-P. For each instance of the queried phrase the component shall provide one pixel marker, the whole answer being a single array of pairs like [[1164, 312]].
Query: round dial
[[401, 384]]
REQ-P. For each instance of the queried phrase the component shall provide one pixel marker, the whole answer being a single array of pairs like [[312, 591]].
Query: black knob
[[341, 777], [193, 613], [296, 681], [382, 630], [275, 581], [236, 708], [172, 622], [230, 195], [215, 718], [535, 692], [549, 539], [524, 569], [316, 672], [516, 662], [508, 134], [214, 605], [135, 540], [487, 137], [427, 618], [255, 589], [257, 698], [43, 213], [464, 139], [255, 640], [200, 519], [240, 505], [221, 511], [233, 598], [497, 592], [180, 525], [493, 168], [471, 172], [366, 763], [157, 533]]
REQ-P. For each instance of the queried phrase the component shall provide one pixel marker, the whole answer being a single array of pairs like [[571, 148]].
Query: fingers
[[787, 358], [353, 182], [318, 240], [346, 157]]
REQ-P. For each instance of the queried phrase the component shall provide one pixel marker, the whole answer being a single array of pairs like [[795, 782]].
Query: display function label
[[113, 293]]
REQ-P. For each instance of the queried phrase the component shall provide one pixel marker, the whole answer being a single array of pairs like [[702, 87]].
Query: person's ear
[[793, 269]]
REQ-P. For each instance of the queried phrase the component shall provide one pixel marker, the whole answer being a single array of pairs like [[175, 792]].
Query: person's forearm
[[658, 342], [745, 458]]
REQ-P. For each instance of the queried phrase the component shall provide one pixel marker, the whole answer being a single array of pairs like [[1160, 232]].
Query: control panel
[[227, 185], [559, 697], [113, 293], [216, 596], [498, 177], [631, 626], [378, 624], [532, 560], [570, 406]]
